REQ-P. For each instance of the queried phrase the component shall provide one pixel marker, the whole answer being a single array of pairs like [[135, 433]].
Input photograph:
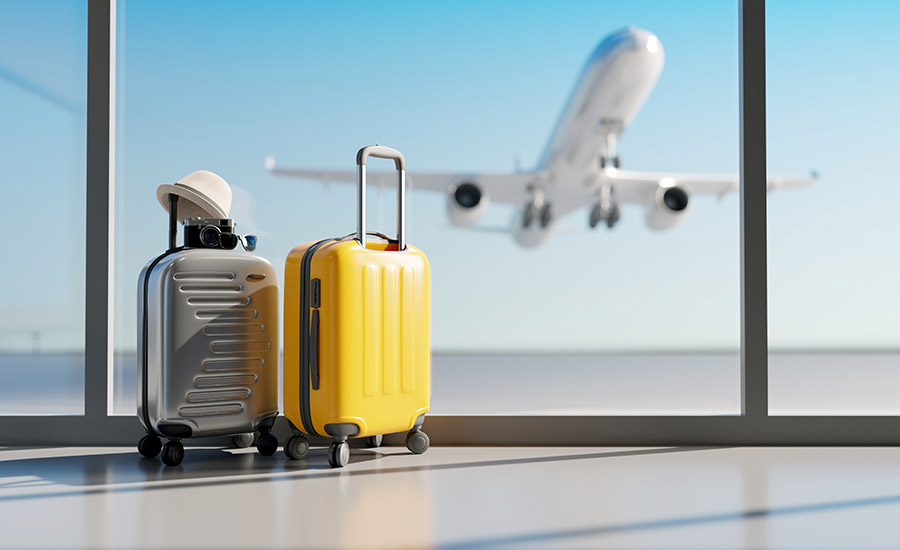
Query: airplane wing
[[717, 184], [504, 188]]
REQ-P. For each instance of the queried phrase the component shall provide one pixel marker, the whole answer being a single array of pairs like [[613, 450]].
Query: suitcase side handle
[[380, 151]]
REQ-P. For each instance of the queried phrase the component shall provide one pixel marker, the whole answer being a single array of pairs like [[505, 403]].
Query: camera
[[215, 233], [210, 233]]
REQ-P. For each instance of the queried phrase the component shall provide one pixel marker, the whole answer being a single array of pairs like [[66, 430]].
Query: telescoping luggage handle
[[382, 152]]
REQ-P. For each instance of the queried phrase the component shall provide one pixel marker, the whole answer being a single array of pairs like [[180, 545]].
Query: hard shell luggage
[[207, 343], [357, 353]]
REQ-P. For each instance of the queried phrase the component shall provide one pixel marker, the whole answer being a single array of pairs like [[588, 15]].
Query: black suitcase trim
[[304, 348], [145, 330]]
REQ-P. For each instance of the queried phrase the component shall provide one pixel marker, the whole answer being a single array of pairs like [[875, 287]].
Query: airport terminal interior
[[449, 275]]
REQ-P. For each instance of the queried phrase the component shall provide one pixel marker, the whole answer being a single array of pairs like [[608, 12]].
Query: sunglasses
[[248, 242]]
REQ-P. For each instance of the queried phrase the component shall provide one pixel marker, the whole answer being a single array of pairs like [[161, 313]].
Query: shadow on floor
[[547, 538], [130, 467], [128, 471]]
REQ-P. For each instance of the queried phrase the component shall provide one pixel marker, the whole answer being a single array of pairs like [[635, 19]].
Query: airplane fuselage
[[613, 86]]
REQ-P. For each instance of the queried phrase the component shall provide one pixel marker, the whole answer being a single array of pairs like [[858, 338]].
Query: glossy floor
[[454, 497]]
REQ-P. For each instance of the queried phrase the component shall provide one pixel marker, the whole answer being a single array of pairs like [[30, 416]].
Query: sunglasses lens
[[249, 242]]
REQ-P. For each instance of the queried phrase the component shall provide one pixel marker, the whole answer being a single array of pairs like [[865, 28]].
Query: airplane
[[580, 166]]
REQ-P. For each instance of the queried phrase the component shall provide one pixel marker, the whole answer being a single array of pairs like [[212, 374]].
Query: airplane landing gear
[[615, 161], [613, 216], [546, 215], [531, 212], [599, 213], [606, 208]]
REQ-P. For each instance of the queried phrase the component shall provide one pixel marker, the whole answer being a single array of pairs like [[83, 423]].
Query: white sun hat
[[202, 194]]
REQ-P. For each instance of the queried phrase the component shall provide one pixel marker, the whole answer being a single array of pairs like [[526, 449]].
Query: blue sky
[[221, 85], [43, 48]]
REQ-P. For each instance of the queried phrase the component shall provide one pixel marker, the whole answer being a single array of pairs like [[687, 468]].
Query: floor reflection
[[454, 498], [128, 471], [118, 468]]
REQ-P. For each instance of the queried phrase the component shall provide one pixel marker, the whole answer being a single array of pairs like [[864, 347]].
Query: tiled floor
[[454, 497]]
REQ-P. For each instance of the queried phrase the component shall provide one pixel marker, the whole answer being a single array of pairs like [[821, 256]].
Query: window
[[263, 103], [43, 52], [628, 321], [833, 266]]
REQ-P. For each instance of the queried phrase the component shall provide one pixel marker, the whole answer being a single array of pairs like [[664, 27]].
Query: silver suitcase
[[207, 349]]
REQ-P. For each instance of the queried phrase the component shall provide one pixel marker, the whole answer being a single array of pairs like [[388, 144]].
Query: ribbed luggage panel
[[214, 340], [371, 341], [389, 330], [239, 346], [388, 345], [408, 342]]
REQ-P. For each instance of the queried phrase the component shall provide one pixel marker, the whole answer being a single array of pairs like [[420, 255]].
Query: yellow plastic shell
[[374, 338]]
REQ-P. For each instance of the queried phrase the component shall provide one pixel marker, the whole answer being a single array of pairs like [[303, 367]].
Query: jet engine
[[466, 203], [668, 206]]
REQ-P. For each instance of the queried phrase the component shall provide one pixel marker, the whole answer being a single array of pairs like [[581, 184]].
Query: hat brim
[[200, 205]]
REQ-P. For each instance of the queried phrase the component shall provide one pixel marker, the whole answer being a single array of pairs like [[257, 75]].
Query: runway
[[842, 383]]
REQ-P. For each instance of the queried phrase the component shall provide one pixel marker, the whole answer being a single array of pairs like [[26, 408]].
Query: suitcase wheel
[[173, 453], [373, 441], [267, 444], [242, 441], [339, 454], [417, 442], [296, 447], [149, 446]]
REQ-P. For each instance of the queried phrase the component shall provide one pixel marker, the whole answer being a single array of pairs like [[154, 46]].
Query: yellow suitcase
[[357, 342]]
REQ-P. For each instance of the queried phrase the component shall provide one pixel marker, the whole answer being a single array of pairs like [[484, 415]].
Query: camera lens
[[209, 235]]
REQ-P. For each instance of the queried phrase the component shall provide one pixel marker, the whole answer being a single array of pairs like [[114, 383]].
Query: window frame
[[754, 426]]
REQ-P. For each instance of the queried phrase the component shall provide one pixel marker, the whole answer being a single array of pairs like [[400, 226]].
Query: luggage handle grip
[[380, 151]]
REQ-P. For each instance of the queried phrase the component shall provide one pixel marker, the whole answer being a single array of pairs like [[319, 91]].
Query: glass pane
[[833, 263], [622, 321], [43, 81]]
